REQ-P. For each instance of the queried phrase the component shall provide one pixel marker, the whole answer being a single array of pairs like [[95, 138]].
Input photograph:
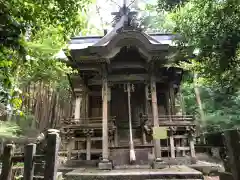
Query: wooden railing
[[29, 158], [170, 120], [91, 122]]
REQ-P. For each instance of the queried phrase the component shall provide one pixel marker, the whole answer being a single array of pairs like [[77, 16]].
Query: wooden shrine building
[[124, 88]]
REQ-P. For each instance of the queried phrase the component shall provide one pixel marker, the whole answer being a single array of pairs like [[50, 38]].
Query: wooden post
[[191, 144], [51, 156], [183, 144], [232, 139], [89, 133], [104, 117], [178, 144], [172, 99], [1, 145], [105, 164], [77, 113], [144, 138], [29, 153], [157, 145], [87, 107], [171, 139], [172, 148], [6, 173], [70, 146], [116, 137]]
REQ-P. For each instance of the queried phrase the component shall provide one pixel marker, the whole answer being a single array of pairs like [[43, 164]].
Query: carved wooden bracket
[[66, 133], [191, 130], [88, 132]]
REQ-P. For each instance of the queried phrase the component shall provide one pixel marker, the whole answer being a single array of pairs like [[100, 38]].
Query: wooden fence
[[30, 158]]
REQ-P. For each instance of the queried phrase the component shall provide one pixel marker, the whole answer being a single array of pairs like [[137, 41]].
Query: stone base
[[158, 164], [105, 165], [167, 173]]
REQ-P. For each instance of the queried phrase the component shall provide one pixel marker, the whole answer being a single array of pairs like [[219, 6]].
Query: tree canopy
[[211, 28], [31, 33]]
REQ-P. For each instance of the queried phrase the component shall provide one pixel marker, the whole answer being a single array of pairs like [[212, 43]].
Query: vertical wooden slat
[[30, 151], [6, 173]]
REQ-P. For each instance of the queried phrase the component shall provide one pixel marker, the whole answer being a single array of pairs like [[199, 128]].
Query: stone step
[[129, 166], [136, 174]]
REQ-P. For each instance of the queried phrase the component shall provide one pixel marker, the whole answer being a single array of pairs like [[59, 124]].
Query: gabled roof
[[125, 28]]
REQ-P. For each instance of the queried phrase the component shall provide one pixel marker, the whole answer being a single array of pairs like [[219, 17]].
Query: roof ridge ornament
[[125, 19]]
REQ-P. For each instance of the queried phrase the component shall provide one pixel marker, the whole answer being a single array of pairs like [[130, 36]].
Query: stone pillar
[[157, 145], [105, 164]]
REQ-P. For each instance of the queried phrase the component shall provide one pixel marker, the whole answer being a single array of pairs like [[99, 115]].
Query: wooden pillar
[[172, 99], [6, 173], [157, 145], [30, 152], [172, 148], [171, 139], [183, 144], [77, 112], [87, 107], [104, 117], [89, 134], [178, 144], [191, 144], [144, 139], [70, 147]]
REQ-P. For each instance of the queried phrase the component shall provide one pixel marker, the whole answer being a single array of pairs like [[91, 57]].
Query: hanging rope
[[132, 151]]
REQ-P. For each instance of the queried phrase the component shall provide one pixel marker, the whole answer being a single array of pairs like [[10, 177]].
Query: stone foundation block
[[105, 165], [158, 164]]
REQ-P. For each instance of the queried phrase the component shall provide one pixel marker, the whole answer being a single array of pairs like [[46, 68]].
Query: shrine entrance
[[126, 104]]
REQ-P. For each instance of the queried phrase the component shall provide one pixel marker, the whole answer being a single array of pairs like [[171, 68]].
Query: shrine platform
[[172, 172]]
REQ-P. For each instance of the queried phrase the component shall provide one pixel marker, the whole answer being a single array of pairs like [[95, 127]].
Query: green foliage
[[220, 109], [168, 5], [213, 28], [8, 129], [31, 33]]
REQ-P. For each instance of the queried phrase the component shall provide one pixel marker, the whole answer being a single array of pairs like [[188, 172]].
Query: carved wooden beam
[[121, 78]]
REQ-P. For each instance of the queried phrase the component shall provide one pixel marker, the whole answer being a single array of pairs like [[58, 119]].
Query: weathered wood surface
[[29, 158], [232, 139], [6, 173], [53, 142], [30, 151]]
